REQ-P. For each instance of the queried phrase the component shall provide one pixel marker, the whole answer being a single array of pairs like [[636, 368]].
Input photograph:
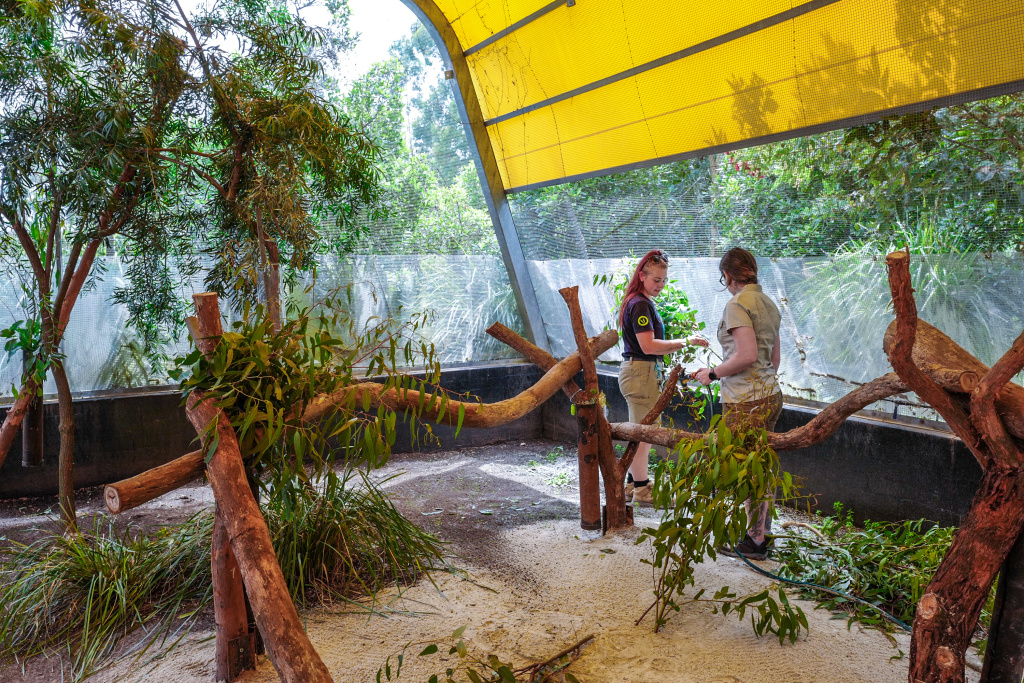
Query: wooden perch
[[948, 611], [659, 407], [817, 430], [536, 355], [954, 369], [477, 415], [153, 483], [287, 645], [144, 487]]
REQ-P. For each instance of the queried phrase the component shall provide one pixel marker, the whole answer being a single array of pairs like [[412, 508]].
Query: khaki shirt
[[750, 308]]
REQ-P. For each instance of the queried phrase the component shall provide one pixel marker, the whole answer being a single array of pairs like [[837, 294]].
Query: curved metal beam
[[487, 168]]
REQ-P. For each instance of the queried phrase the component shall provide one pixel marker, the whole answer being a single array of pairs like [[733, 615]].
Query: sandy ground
[[538, 584]]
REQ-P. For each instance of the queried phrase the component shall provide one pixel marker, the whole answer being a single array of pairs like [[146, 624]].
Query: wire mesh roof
[[572, 89]]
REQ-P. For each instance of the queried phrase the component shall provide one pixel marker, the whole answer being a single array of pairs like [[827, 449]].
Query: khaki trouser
[[753, 415], [638, 382]]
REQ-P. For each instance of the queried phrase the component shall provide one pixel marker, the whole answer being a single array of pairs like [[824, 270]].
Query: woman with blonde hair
[[749, 389], [643, 336]]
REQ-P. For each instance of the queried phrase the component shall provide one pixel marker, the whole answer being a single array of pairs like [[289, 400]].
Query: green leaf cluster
[[265, 380], [702, 490], [475, 670], [889, 564]]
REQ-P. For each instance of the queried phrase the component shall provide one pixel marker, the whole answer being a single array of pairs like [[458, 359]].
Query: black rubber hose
[[824, 589]]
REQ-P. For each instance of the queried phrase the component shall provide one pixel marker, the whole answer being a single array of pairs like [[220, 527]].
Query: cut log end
[[928, 606], [112, 499], [945, 658], [896, 257]]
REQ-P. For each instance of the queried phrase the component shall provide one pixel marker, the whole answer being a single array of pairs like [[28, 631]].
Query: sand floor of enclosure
[[539, 584]]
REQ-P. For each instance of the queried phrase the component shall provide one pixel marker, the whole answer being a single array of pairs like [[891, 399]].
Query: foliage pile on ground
[[888, 564], [85, 592], [468, 667]]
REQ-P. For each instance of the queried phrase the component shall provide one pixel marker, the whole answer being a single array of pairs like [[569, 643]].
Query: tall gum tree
[[130, 126]]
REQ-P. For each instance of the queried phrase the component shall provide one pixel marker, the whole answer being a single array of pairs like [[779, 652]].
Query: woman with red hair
[[643, 336]]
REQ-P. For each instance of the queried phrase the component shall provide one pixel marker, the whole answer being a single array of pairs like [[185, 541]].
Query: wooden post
[[1004, 656], [288, 647], [235, 649], [587, 454]]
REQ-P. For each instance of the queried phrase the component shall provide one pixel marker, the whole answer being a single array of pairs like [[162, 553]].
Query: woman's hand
[[697, 341], [703, 376]]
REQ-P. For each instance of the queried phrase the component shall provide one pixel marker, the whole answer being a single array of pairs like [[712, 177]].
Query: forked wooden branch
[[983, 406], [536, 355], [817, 430], [234, 646], [958, 372], [587, 356], [666, 397], [142, 488], [615, 514], [477, 415], [901, 356], [949, 610]]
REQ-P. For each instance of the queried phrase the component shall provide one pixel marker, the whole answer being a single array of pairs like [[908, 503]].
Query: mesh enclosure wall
[[820, 249]]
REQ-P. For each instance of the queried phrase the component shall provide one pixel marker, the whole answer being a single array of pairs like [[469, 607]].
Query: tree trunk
[[272, 283], [536, 355], [15, 416], [66, 461], [32, 445], [948, 613]]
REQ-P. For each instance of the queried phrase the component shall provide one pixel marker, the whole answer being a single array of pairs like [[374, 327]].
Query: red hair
[[636, 285]]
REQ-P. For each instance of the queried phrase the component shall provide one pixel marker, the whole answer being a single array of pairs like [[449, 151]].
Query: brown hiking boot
[[629, 491], [644, 496]]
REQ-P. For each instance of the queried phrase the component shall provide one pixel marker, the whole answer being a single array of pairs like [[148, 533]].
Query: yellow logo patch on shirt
[[643, 320]]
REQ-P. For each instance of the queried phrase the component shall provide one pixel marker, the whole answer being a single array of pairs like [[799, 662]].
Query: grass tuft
[[84, 593]]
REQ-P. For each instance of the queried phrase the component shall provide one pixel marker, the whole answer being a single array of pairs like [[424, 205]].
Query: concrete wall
[[123, 434], [883, 470]]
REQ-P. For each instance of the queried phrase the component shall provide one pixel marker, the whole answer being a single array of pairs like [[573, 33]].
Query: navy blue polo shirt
[[641, 316]]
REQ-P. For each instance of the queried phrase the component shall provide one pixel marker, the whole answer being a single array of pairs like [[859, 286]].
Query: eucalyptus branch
[[198, 171]]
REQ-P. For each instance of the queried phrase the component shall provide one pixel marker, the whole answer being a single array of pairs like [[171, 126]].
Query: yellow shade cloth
[[571, 92]]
